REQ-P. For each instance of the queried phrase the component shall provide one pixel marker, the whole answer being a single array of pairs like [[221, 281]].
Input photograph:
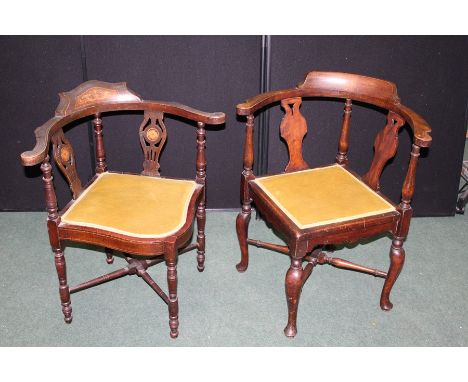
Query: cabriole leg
[[242, 228], [293, 284], [243, 219], [63, 286], [397, 259]]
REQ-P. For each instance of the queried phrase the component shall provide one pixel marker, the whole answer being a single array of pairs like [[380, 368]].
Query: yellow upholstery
[[133, 205], [320, 196]]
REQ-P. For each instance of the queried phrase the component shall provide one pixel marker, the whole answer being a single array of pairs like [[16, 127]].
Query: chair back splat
[[138, 214], [316, 209], [293, 128]]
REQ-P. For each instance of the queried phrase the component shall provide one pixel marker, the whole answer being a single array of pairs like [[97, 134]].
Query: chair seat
[[134, 205], [321, 196]]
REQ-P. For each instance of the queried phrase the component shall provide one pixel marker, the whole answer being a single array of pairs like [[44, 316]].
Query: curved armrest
[[39, 152], [93, 97], [333, 85], [255, 103], [188, 112], [356, 87], [421, 129]]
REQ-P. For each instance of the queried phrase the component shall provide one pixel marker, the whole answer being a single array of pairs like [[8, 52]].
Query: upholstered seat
[[320, 196], [133, 205]]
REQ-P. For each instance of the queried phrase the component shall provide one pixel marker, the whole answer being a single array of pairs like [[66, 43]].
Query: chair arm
[[40, 150], [43, 133], [188, 112], [421, 129], [251, 105]]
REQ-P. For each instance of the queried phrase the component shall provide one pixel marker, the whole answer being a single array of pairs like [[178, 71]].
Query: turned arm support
[[408, 185], [201, 158], [421, 138], [49, 191], [248, 157]]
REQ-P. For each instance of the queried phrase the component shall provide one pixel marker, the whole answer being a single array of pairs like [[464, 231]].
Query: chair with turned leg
[[146, 216], [316, 208]]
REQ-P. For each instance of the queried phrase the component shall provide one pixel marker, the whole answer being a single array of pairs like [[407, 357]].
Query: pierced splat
[[65, 159], [293, 128], [152, 138], [385, 147]]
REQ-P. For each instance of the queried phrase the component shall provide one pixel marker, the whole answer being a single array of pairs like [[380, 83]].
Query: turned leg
[[293, 288], [109, 255], [63, 286], [397, 259], [242, 228], [171, 263], [201, 219]]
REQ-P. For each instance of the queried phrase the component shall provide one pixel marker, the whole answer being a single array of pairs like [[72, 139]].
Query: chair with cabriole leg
[[146, 216], [316, 208]]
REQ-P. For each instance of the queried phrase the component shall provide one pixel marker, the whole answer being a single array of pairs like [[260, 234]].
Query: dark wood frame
[[95, 98], [309, 244]]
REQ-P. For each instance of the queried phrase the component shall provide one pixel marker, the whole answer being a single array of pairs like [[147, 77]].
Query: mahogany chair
[[147, 217], [317, 208]]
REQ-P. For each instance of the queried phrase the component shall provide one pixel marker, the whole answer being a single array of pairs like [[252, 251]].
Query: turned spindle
[[201, 213], [101, 165], [342, 156], [49, 192]]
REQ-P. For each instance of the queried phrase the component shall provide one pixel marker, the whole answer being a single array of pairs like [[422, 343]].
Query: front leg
[[171, 263], [293, 285], [243, 219], [242, 228], [201, 219], [64, 290], [397, 259]]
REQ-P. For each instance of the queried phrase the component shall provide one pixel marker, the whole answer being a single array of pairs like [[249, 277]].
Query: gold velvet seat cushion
[[133, 205], [320, 196]]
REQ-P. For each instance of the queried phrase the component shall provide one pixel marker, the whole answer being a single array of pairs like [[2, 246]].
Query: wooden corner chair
[[147, 217], [317, 208]]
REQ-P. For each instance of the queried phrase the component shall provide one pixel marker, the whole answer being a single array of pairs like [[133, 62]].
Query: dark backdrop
[[210, 73], [213, 73]]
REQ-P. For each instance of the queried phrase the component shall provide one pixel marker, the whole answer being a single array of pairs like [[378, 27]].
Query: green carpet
[[221, 307]]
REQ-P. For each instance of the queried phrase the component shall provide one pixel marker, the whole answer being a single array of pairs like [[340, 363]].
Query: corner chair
[[315, 209], [146, 216]]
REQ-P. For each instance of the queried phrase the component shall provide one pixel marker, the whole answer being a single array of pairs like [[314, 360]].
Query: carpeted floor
[[221, 307]]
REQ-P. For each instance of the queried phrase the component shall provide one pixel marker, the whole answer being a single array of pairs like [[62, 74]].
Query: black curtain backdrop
[[214, 73]]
